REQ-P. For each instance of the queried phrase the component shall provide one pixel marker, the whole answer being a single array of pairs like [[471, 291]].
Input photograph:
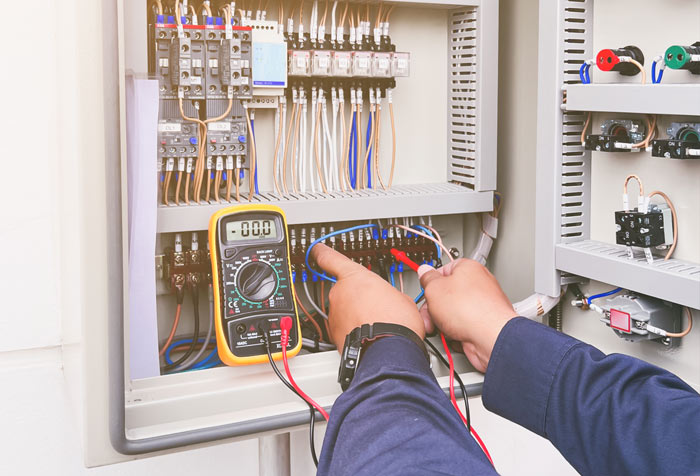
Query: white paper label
[[170, 165], [181, 164], [196, 80], [219, 126], [189, 166], [169, 127]]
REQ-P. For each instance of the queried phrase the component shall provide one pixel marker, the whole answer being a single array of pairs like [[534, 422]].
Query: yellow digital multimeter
[[251, 275]]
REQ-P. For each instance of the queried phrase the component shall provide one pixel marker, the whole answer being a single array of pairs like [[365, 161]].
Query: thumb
[[427, 274]]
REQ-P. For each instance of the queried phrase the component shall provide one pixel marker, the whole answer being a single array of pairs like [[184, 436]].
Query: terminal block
[[683, 142], [684, 57], [636, 317], [617, 135]]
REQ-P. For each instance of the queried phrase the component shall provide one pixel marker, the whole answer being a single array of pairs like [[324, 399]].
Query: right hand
[[464, 300]]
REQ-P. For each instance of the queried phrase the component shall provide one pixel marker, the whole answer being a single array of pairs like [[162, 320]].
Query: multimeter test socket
[[251, 279]]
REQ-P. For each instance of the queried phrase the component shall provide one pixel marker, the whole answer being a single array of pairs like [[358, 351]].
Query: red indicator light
[[607, 60], [621, 321]]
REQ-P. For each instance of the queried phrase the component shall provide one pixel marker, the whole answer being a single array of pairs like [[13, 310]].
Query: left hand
[[362, 297]]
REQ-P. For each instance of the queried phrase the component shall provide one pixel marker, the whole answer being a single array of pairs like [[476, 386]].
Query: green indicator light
[[676, 57]]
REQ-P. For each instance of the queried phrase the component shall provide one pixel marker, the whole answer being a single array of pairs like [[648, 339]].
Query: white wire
[[335, 5], [327, 157], [297, 152], [313, 303], [312, 143], [334, 142], [280, 159]]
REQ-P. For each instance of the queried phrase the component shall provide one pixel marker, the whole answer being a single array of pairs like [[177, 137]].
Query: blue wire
[[393, 281], [352, 141], [325, 237], [255, 178], [420, 296], [367, 146], [585, 73], [422, 228], [187, 341], [201, 365], [597, 296], [656, 79]]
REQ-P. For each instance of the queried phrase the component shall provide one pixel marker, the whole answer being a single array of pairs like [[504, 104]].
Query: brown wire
[[323, 297], [343, 157], [229, 183], [238, 184], [285, 150], [251, 167], [315, 139], [687, 330], [378, 118], [177, 187], [675, 220], [308, 316], [178, 310], [294, 149], [393, 144], [166, 187], [372, 115], [585, 128], [217, 184], [277, 148], [188, 177]]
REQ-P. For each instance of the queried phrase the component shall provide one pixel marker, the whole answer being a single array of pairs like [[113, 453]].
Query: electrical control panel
[[306, 111]]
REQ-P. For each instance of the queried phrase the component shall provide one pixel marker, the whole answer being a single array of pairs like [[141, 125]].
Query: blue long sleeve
[[607, 414], [395, 420]]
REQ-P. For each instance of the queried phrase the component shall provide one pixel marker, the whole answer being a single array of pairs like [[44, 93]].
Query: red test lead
[[401, 256]]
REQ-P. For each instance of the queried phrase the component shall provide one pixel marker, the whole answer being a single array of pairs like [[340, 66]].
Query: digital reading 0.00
[[244, 230]]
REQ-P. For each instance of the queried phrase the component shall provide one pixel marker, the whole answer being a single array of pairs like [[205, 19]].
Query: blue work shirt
[[609, 415]]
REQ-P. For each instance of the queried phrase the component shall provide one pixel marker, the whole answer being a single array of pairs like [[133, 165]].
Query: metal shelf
[[669, 99], [673, 280], [399, 201]]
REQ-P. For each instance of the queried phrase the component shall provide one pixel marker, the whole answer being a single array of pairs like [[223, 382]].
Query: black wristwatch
[[364, 334]]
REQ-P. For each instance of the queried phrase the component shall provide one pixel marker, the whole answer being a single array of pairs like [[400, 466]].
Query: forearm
[[395, 419], [606, 414]]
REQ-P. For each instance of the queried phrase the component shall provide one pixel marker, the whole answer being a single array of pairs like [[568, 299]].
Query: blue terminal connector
[[294, 276], [304, 276], [160, 19], [385, 234], [399, 268]]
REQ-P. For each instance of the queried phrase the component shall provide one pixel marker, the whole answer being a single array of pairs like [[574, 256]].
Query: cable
[[585, 128], [654, 78], [456, 376], [602, 295], [585, 73], [687, 330], [369, 137], [178, 309], [252, 130], [313, 303], [674, 216], [393, 281], [393, 133], [316, 345], [285, 325], [638, 65], [431, 232], [401, 282], [252, 166], [195, 334], [325, 237], [312, 413], [444, 248], [454, 400], [308, 316], [210, 332]]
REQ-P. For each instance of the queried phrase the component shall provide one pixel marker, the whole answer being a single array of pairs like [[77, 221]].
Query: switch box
[[630, 315], [645, 230]]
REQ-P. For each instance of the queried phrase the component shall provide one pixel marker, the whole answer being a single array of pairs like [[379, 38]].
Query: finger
[[333, 262], [427, 319], [427, 274]]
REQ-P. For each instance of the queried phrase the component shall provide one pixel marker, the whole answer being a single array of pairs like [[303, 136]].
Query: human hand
[[362, 297], [464, 300]]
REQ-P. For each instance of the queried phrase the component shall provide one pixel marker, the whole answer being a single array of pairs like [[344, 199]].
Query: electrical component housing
[[684, 57], [631, 316], [651, 229], [683, 142], [617, 135], [616, 60]]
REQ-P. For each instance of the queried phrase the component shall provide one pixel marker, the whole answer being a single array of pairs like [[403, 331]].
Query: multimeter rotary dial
[[256, 281]]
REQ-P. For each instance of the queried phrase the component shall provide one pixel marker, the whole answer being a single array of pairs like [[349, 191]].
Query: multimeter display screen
[[246, 230]]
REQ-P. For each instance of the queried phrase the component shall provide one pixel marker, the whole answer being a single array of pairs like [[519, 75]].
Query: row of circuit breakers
[[212, 72]]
